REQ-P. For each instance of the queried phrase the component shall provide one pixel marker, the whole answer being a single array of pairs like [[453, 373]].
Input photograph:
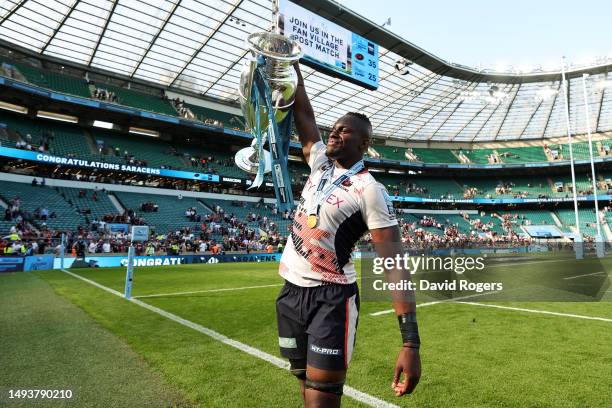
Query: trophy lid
[[275, 46]]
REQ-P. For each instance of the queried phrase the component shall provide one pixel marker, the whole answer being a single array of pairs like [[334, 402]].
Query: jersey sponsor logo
[[334, 200], [325, 351]]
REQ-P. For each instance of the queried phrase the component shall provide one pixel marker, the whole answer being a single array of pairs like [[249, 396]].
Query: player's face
[[347, 139]]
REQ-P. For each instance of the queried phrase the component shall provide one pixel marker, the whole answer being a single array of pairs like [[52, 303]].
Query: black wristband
[[409, 330]]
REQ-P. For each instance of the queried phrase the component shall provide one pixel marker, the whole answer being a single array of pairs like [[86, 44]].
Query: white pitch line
[[523, 263], [387, 311], [382, 312], [520, 309], [586, 274], [206, 291], [351, 392]]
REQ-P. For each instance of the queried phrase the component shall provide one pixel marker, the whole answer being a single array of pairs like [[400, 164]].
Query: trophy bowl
[[279, 53], [247, 160]]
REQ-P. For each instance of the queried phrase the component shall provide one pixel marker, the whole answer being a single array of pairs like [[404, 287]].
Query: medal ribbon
[[323, 191]]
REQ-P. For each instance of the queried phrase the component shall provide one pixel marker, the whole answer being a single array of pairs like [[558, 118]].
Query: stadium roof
[[198, 45]]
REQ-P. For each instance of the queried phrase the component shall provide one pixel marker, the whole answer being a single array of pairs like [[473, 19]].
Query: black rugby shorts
[[318, 324]]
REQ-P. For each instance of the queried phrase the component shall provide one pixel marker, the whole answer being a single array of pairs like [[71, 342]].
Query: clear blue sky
[[515, 32]]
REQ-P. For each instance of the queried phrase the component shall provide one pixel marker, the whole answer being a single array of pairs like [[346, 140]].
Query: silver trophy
[[280, 54]]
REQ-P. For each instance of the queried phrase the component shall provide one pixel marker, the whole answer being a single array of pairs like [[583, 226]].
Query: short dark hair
[[363, 118]]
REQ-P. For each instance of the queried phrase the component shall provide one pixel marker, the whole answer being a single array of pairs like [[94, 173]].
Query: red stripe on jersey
[[346, 334]]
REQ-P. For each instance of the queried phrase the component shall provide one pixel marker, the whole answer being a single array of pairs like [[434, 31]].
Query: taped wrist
[[409, 330]]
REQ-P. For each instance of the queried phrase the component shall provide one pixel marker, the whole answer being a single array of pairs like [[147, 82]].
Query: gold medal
[[312, 221]]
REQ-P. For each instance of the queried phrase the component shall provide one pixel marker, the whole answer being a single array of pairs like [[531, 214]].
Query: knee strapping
[[298, 368], [329, 387]]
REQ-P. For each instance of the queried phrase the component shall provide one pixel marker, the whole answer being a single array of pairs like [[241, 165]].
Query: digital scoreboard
[[328, 47]]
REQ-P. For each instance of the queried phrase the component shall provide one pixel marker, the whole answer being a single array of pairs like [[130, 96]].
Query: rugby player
[[317, 309]]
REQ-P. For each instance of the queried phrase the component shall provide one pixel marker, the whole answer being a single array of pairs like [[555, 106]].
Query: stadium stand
[[435, 155], [468, 224], [214, 160], [586, 217], [529, 186], [479, 156], [583, 184], [522, 217], [509, 187], [391, 152], [580, 151], [170, 213], [139, 100], [67, 84], [78, 86], [523, 154], [33, 201], [5, 137], [426, 222], [60, 139], [490, 222], [70, 141], [21, 125], [245, 210], [51, 80], [95, 204], [459, 221], [204, 114], [120, 147], [430, 187]]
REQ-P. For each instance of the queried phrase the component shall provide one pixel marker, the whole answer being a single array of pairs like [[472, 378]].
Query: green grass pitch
[[58, 331]]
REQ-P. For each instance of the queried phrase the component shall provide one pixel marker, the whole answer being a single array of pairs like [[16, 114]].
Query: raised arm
[[304, 117]]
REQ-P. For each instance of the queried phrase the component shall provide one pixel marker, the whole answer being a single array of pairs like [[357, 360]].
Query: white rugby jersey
[[315, 256]]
